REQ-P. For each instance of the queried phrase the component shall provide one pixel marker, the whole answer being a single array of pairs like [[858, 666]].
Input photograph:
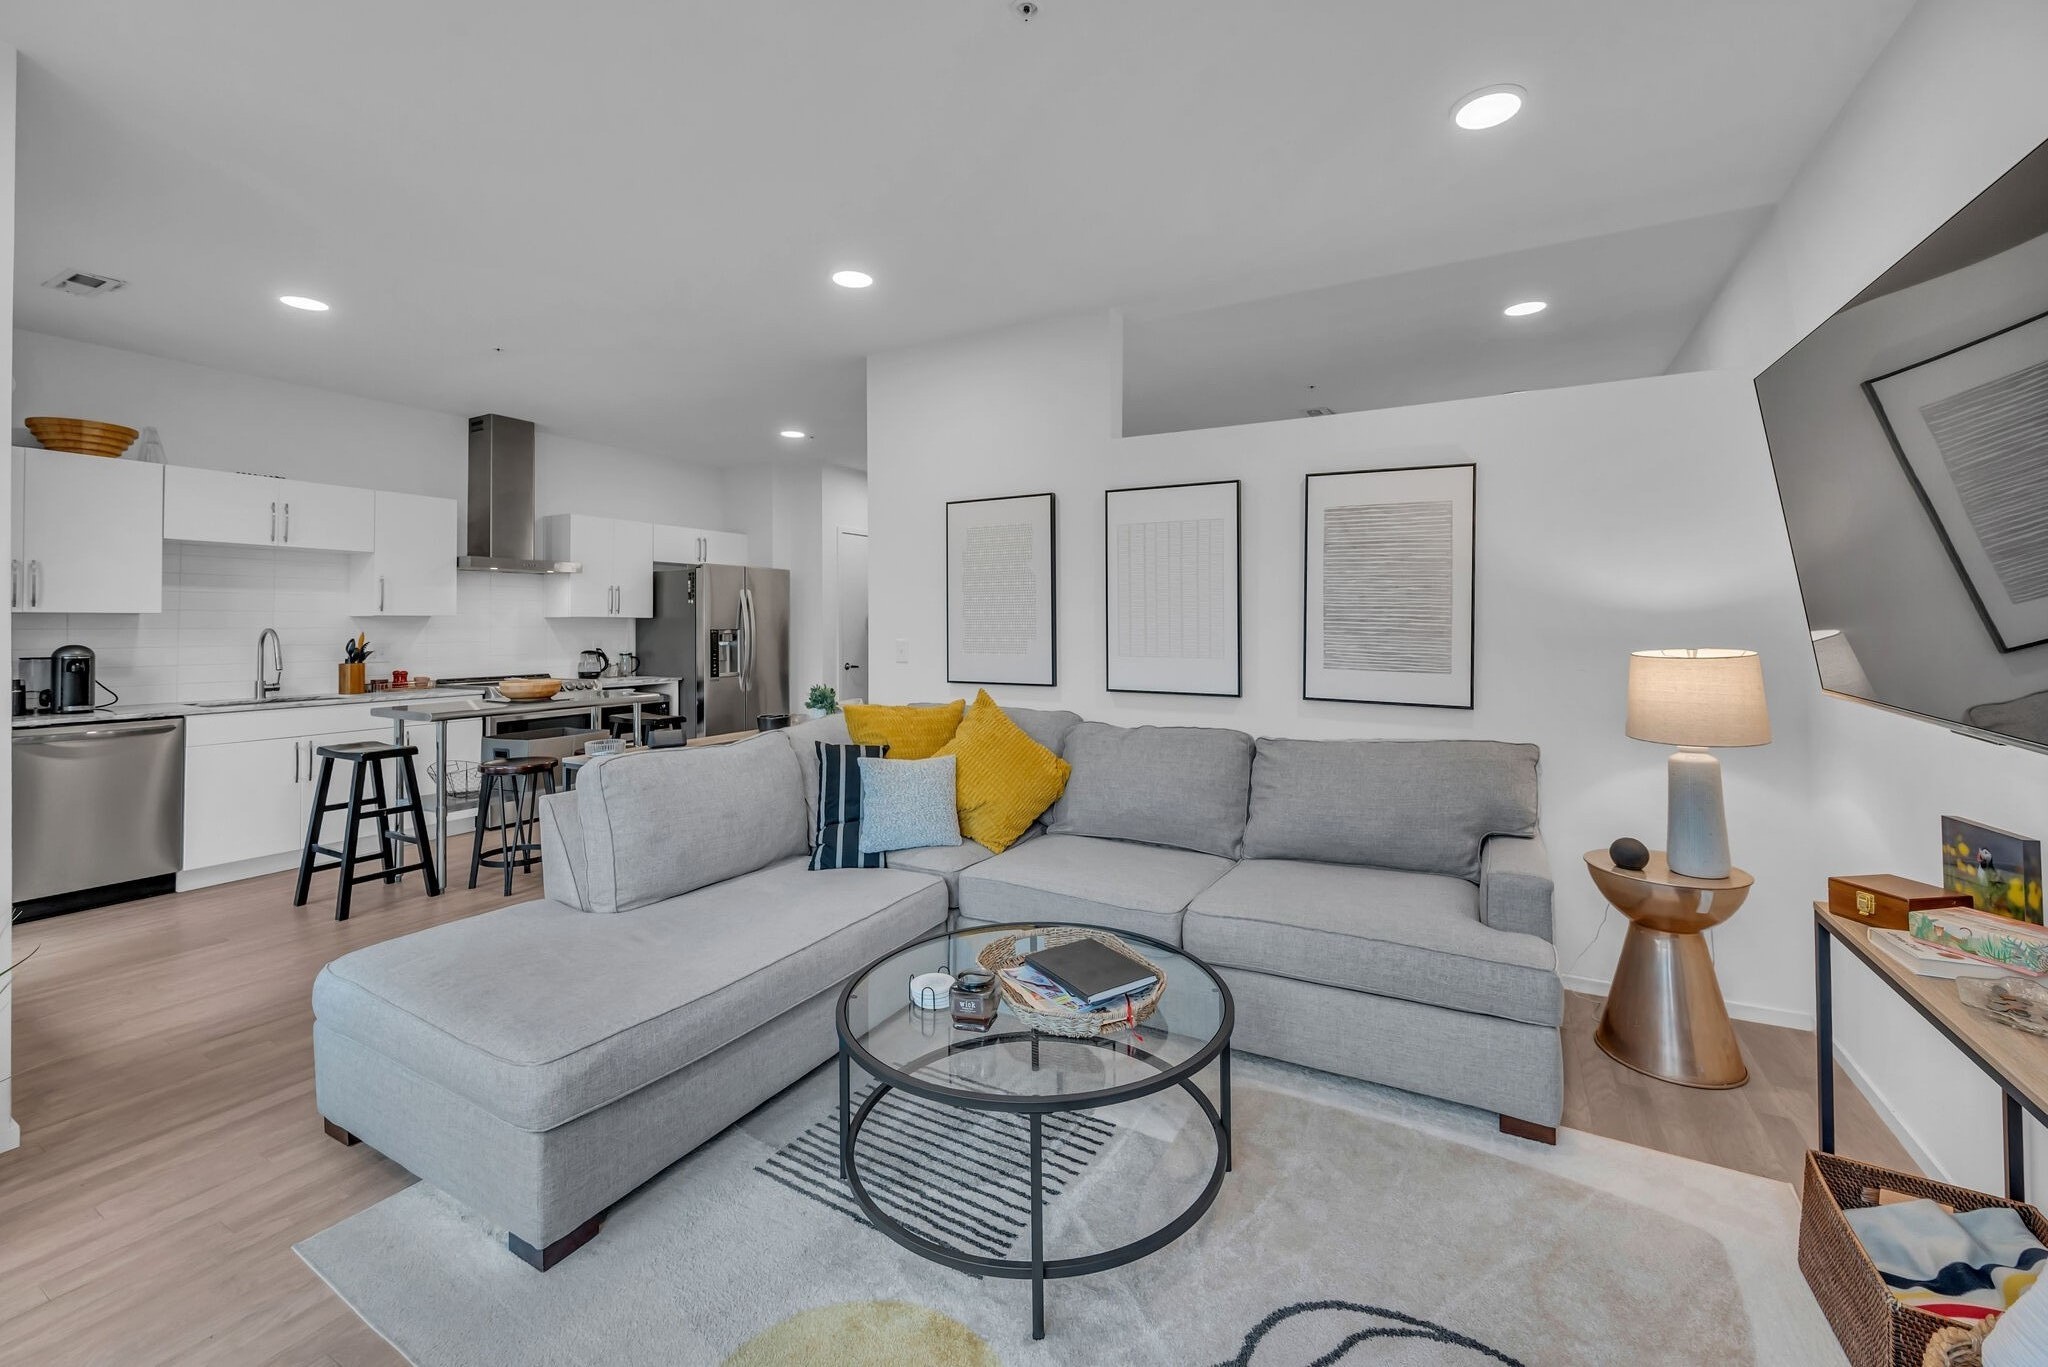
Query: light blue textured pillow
[[907, 804]]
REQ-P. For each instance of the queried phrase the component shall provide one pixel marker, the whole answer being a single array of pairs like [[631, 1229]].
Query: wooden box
[[1881, 900]]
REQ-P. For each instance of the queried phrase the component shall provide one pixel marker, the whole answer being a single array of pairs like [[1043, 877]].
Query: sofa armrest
[[561, 851], [1514, 884]]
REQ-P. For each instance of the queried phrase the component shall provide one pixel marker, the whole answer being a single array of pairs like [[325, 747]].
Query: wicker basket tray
[[82, 436], [1001, 953], [1875, 1330]]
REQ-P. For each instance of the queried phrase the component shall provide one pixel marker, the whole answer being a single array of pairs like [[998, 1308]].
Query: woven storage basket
[[1874, 1328], [1001, 953], [82, 436]]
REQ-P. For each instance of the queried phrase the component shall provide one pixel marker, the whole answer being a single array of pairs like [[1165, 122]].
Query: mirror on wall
[[1909, 433]]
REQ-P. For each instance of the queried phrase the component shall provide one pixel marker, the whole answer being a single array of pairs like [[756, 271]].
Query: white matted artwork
[[1000, 594], [1171, 590], [1388, 586], [1971, 428]]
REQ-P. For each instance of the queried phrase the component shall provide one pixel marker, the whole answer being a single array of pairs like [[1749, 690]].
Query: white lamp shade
[[1697, 697]]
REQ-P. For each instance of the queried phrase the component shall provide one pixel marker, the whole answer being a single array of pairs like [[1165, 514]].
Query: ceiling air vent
[[84, 282], [1319, 412]]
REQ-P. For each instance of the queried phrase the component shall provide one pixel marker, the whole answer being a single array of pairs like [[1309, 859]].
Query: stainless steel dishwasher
[[99, 813]]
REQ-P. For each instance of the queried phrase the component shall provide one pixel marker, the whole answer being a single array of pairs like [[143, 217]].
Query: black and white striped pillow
[[837, 839]]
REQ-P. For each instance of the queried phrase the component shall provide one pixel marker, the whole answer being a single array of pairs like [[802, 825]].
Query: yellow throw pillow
[[909, 732], [1006, 779]]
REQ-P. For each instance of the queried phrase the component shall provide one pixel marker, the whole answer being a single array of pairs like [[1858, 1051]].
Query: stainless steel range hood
[[501, 521]]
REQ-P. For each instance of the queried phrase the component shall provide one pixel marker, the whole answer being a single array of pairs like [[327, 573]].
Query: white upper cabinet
[[226, 508], [617, 556], [699, 546], [410, 571], [88, 533]]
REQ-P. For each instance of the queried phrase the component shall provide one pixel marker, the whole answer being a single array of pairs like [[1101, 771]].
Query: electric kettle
[[592, 663]]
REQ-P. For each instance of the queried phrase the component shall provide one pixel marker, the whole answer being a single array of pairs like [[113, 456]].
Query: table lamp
[[1696, 699]]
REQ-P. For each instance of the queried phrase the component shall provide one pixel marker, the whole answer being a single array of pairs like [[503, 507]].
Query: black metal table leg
[[2015, 1150], [1229, 1142], [1824, 1036], [845, 1120], [1037, 1221]]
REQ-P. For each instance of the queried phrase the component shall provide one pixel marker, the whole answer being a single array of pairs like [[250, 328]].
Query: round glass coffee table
[[1011, 1068]]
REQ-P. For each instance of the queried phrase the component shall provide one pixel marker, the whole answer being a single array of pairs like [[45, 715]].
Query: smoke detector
[[1025, 10], [83, 282], [1319, 412]]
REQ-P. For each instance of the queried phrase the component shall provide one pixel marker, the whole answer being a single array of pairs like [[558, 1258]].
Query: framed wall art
[[1172, 590], [1000, 593], [1387, 603], [1969, 425]]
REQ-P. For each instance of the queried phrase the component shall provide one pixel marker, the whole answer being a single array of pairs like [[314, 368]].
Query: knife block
[[354, 678]]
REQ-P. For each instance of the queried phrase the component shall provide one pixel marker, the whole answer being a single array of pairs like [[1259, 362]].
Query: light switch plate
[[902, 651]]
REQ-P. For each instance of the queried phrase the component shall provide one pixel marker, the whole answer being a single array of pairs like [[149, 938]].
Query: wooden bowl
[[529, 690], [82, 436]]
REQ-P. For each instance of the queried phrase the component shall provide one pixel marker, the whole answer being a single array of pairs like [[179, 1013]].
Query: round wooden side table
[[1664, 1016]]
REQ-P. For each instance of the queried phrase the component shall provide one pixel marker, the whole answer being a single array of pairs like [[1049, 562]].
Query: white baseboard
[[213, 877], [10, 1136], [1889, 1114], [1746, 1011]]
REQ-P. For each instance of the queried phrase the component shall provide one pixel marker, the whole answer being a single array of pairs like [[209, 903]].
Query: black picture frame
[[1471, 589], [1237, 573], [1052, 625]]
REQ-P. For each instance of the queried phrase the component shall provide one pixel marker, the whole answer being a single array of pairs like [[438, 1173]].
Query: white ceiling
[[640, 200]]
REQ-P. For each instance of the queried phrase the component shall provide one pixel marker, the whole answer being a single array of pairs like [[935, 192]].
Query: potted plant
[[823, 701]]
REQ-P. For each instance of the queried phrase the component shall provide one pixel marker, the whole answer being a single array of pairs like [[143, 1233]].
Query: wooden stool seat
[[519, 784], [529, 764], [365, 759]]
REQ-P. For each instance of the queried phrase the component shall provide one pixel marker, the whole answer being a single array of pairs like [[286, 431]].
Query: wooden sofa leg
[[1527, 1129], [541, 1259], [336, 1133]]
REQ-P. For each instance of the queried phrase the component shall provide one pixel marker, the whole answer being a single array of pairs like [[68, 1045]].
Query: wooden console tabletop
[[2014, 1059]]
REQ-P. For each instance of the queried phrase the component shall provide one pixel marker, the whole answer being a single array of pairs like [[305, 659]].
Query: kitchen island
[[438, 712]]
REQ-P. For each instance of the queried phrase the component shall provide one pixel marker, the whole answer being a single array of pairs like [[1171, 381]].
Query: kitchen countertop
[[617, 689], [428, 710]]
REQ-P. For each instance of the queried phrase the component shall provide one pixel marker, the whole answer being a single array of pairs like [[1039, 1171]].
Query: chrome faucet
[[265, 686]]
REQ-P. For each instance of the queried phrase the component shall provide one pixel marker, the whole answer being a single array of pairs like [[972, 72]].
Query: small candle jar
[[974, 1000]]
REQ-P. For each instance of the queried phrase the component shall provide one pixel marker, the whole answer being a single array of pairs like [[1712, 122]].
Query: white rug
[[1361, 1226]]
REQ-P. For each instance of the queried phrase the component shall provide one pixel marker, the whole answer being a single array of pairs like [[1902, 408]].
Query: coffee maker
[[72, 686], [31, 685]]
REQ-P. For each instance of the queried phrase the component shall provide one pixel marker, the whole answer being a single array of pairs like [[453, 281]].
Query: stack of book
[[1081, 975]]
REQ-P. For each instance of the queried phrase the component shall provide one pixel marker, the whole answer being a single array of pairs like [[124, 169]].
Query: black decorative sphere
[[1629, 853]]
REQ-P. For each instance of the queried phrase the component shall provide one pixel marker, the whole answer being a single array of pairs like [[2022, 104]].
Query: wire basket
[[462, 784], [1001, 953]]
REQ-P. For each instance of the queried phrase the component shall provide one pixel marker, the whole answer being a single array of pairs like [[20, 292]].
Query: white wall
[[1611, 517], [10, 1133], [1950, 106]]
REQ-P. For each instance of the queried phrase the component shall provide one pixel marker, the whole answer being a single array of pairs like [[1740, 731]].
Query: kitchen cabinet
[[87, 533], [617, 555], [226, 508], [699, 546], [410, 570]]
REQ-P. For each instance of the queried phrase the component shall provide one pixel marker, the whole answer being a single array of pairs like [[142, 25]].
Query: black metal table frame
[[1038, 1268], [2015, 1106]]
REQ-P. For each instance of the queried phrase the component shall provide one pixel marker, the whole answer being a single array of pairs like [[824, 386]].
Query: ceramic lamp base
[[1696, 831]]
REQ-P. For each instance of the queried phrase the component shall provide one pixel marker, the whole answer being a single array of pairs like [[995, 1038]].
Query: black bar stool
[[516, 784], [366, 758]]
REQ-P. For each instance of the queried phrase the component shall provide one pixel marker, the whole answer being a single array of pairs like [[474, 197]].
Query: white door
[[725, 548], [412, 571], [244, 800], [92, 535], [677, 545], [588, 541], [853, 614], [327, 517], [221, 507], [632, 569]]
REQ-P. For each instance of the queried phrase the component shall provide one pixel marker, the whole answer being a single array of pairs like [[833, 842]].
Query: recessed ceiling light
[[1525, 308], [1488, 108], [853, 280], [793, 434], [300, 301]]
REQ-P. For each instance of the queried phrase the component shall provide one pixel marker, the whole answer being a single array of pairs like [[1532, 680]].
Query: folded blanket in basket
[[1963, 1266]]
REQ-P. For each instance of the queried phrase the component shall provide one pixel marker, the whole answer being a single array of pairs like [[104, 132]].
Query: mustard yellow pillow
[[909, 732], [1006, 780]]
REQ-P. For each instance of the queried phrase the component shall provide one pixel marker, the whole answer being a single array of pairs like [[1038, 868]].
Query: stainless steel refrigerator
[[724, 631]]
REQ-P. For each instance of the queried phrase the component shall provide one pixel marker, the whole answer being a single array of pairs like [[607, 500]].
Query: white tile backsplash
[[217, 599]]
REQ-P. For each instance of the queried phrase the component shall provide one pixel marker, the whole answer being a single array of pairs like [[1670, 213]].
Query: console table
[[2015, 1060]]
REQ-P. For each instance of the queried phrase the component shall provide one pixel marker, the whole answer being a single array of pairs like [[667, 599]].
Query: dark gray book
[[1093, 971]]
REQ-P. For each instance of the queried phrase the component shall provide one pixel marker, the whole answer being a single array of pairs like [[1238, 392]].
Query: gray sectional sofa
[[1380, 909]]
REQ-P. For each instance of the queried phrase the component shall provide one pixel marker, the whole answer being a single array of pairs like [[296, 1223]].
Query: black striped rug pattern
[[959, 1178]]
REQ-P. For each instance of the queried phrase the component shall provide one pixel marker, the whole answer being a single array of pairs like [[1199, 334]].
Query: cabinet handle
[[35, 583], [380, 593], [15, 581], [273, 520], [287, 522], [295, 761]]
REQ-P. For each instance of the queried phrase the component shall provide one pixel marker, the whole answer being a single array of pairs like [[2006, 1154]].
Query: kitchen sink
[[270, 701]]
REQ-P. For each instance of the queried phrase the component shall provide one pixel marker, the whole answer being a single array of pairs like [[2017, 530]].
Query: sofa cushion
[[1185, 786], [908, 804], [804, 739], [1048, 728], [911, 731], [837, 826], [1415, 936], [539, 1014], [659, 823], [1421, 805], [1007, 777], [1113, 883], [944, 861]]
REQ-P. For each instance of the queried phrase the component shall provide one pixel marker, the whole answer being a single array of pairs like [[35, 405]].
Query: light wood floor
[[172, 1154]]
